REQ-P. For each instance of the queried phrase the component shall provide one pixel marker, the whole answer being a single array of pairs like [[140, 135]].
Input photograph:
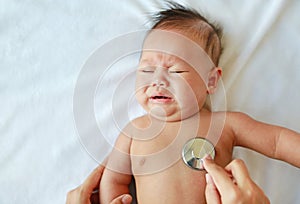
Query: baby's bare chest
[[173, 183], [160, 169], [159, 147], [150, 157], [155, 155]]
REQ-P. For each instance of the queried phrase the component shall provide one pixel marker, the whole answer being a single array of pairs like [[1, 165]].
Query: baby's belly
[[176, 184]]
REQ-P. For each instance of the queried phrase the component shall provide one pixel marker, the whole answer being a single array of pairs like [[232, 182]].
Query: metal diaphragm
[[195, 150]]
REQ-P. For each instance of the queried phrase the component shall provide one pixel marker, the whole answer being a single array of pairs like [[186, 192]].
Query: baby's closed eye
[[147, 69], [177, 71]]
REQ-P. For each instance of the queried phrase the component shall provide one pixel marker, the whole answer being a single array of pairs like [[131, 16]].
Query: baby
[[178, 69]]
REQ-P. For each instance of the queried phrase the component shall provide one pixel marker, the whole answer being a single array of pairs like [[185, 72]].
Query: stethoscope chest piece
[[195, 150]]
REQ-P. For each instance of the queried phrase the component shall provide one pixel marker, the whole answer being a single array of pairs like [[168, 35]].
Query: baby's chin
[[161, 114]]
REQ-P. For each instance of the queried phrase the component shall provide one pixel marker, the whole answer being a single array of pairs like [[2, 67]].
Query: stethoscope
[[195, 150]]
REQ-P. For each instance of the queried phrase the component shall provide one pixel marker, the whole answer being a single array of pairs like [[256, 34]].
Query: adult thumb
[[122, 199], [211, 192]]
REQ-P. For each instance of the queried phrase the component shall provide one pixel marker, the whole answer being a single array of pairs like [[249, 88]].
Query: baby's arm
[[273, 141], [117, 175]]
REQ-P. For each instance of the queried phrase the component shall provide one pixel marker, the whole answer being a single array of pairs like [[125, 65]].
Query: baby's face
[[171, 78]]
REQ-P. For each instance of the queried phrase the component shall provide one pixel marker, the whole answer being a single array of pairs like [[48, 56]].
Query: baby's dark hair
[[191, 22]]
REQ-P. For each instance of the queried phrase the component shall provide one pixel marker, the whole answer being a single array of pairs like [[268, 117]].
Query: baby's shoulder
[[233, 121], [236, 116], [230, 118]]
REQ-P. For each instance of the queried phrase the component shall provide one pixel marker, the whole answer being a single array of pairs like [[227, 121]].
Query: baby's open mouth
[[161, 99]]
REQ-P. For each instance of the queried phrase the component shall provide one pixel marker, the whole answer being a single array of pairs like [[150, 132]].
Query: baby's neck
[[192, 118]]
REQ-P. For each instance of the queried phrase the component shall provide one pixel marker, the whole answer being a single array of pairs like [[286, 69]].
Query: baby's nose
[[160, 79], [159, 83]]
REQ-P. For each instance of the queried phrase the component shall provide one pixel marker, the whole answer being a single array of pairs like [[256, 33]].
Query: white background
[[44, 44]]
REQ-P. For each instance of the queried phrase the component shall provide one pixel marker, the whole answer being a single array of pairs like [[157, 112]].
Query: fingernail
[[207, 157], [125, 199], [208, 179]]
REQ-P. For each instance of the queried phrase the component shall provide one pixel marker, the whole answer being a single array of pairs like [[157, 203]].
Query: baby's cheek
[[141, 97], [142, 81]]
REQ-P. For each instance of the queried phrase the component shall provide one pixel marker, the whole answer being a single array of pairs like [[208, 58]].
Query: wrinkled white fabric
[[45, 44]]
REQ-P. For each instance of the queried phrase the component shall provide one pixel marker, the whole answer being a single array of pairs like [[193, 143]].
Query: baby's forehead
[[175, 46], [149, 56], [167, 37]]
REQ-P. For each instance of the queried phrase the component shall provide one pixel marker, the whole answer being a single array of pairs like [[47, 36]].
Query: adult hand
[[231, 185], [83, 194]]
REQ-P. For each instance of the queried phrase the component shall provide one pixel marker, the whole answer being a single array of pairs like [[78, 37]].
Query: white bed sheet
[[45, 44]]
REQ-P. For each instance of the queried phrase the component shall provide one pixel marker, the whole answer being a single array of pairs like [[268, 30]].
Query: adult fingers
[[122, 199], [239, 172], [249, 191], [83, 194], [72, 196], [211, 192], [93, 180], [221, 178]]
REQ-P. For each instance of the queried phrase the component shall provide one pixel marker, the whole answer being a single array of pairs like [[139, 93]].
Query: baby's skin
[[172, 85]]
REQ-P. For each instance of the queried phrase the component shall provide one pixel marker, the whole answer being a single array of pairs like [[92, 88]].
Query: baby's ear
[[213, 77]]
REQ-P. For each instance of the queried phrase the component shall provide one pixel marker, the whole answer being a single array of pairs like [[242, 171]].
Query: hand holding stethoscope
[[231, 184]]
